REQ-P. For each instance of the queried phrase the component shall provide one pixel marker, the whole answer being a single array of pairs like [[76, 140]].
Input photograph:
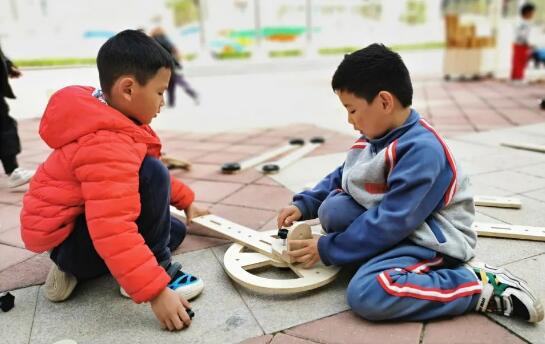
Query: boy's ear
[[386, 100], [125, 86]]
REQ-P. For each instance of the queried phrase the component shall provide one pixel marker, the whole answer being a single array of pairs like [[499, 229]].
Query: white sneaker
[[59, 285], [19, 177]]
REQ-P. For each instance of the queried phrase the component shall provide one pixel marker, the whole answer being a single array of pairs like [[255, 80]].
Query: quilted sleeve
[[181, 196]]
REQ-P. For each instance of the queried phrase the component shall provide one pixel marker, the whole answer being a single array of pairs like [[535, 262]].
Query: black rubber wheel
[[270, 168], [317, 139], [297, 141], [230, 167], [283, 233]]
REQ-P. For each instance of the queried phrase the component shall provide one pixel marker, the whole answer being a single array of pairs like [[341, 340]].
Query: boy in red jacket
[[100, 202]]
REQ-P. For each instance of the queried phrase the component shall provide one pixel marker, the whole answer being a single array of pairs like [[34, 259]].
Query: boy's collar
[[395, 133], [98, 94]]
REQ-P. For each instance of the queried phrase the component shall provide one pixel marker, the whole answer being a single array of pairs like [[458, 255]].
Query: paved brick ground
[[252, 199]]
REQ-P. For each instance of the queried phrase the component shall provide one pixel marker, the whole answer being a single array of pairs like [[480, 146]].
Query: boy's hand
[[169, 308], [287, 215], [192, 212], [305, 251]]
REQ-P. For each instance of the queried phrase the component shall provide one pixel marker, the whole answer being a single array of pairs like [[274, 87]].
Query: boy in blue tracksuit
[[401, 208]]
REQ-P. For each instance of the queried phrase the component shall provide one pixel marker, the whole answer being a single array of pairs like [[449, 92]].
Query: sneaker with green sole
[[505, 294]]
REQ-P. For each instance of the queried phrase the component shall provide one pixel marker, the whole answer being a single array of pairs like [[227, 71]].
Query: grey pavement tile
[[480, 217], [538, 128], [536, 194], [533, 271], [16, 324], [530, 214], [266, 339], [515, 182], [97, 313], [512, 134], [278, 312], [497, 251], [466, 150], [503, 159], [481, 189], [308, 170], [537, 170]]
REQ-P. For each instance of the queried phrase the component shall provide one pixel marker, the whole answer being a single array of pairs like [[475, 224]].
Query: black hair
[[372, 69], [130, 52], [527, 8]]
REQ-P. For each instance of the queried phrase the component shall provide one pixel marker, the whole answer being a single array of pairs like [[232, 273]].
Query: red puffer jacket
[[94, 169]]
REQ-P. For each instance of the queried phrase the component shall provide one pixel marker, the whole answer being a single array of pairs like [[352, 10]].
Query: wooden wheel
[[239, 264], [252, 250]]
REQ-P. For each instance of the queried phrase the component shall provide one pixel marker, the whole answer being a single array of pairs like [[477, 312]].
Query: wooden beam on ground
[[498, 202], [235, 167], [502, 230], [276, 166]]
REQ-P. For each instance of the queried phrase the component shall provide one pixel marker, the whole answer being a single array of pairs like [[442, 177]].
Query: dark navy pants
[[406, 282], [161, 232]]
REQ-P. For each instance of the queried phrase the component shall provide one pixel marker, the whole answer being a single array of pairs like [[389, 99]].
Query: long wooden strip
[[498, 230], [499, 202], [525, 146], [276, 166], [230, 167], [237, 233]]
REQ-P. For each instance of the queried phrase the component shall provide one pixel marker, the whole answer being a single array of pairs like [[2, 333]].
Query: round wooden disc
[[239, 263]]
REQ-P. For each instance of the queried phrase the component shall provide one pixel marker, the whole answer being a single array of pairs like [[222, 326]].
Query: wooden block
[[499, 202], [298, 231], [172, 162], [525, 146], [497, 230]]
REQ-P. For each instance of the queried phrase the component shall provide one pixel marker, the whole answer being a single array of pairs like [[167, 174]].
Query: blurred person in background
[[521, 47], [177, 78], [10, 145]]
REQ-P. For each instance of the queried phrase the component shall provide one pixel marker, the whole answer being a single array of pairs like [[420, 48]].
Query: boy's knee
[[153, 170], [364, 296], [338, 211]]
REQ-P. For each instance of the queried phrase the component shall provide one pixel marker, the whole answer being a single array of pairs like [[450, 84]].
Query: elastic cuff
[[301, 206]]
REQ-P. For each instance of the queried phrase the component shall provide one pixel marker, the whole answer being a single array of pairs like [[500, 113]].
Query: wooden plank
[[525, 146], [498, 202], [240, 166], [235, 232], [501, 230], [276, 166], [298, 231]]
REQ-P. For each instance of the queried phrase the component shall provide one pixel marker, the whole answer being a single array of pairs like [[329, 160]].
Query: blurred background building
[[68, 29]]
